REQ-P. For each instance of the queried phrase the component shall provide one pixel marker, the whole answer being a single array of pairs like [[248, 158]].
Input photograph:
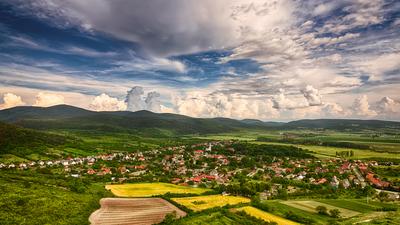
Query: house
[[104, 171], [176, 180], [376, 181], [140, 167], [292, 189], [122, 170], [321, 181], [214, 173], [199, 178], [91, 171], [346, 183], [265, 195], [198, 152], [335, 182], [138, 173], [181, 170]]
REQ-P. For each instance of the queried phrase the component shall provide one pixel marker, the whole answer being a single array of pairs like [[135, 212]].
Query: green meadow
[[384, 146]]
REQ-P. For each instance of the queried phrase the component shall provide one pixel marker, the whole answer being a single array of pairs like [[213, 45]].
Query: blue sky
[[269, 60]]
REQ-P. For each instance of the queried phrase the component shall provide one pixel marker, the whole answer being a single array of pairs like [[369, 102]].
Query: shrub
[[322, 210], [335, 213]]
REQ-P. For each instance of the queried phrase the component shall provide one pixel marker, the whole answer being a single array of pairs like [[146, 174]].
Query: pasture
[[199, 203], [310, 206], [359, 205], [151, 189], [266, 216], [142, 211], [358, 153]]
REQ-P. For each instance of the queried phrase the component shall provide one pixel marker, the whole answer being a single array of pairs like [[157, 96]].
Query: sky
[[269, 60]]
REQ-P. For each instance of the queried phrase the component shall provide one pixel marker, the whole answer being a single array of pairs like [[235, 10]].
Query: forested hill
[[21, 141], [69, 117]]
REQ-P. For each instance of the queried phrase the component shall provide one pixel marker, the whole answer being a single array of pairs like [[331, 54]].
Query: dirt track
[[143, 211]]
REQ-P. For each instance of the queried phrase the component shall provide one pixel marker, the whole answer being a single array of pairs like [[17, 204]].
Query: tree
[[335, 213], [282, 193], [322, 210], [170, 218]]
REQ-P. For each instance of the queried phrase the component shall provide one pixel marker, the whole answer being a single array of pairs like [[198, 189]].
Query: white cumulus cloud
[[200, 104], [312, 95], [361, 107], [44, 99], [388, 108], [11, 100], [104, 102]]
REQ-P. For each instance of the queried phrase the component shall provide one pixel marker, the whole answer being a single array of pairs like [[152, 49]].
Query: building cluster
[[206, 164]]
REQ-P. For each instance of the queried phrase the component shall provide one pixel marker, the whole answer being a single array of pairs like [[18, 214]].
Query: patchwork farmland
[[151, 189], [199, 203], [310, 206], [252, 211], [140, 211]]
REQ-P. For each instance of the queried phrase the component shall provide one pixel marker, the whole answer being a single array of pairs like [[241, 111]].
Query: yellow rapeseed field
[[199, 203], [151, 189], [266, 216]]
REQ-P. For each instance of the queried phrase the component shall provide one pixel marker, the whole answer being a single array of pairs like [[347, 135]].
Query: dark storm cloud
[[162, 28]]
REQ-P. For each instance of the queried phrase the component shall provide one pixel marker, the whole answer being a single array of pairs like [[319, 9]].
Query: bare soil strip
[[138, 211]]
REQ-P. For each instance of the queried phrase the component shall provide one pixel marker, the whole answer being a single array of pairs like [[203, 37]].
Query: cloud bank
[[204, 104], [243, 59]]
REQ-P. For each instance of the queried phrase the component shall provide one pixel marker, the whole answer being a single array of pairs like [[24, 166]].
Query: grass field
[[358, 153], [222, 217], [387, 218], [266, 216], [199, 203], [356, 204], [309, 205], [384, 147], [279, 209], [151, 189]]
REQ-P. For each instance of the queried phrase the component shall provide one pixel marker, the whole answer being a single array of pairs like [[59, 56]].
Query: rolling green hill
[[21, 141], [153, 124], [68, 117]]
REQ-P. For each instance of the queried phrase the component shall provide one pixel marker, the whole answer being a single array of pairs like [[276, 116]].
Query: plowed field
[[140, 211]]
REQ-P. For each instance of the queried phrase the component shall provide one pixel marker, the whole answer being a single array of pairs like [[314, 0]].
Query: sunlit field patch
[[199, 203], [151, 189], [266, 216]]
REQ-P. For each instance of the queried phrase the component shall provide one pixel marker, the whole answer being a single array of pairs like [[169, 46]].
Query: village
[[216, 163]]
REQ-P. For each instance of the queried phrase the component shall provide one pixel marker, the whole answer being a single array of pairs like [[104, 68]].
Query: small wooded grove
[[249, 149], [302, 141]]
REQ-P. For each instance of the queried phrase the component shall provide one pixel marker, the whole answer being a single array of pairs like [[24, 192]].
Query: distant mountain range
[[70, 117]]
